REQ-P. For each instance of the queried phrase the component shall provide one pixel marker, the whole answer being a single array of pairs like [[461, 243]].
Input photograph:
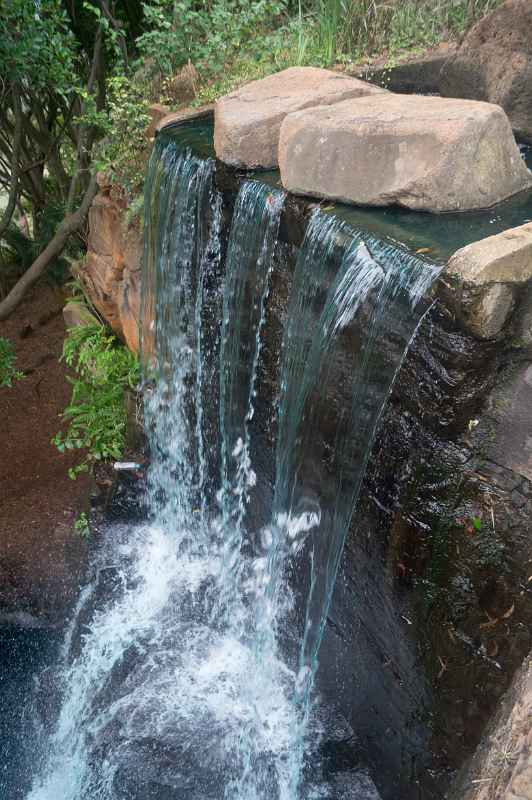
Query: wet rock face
[[494, 63], [455, 525], [486, 280], [111, 271], [247, 122], [424, 153]]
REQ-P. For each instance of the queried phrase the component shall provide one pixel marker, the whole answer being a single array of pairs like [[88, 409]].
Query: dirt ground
[[41, 557]]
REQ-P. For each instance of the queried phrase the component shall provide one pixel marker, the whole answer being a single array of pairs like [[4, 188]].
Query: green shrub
[[124, 150], [96, 414], [325, 32], [208, 34], [8, 373], [345, 29]]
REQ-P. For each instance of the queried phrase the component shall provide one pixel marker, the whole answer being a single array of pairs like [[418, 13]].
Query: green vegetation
[[123, 152], [82, 525], [231, 41], [79, 75], [8, 373], [209, 34], [96, 415], [58, 59]]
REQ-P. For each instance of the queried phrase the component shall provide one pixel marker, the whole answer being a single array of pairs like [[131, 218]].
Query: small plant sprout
[[82, 526], [8, 373]]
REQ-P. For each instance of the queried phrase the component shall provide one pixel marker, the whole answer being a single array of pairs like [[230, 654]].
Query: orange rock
[[110, 273]]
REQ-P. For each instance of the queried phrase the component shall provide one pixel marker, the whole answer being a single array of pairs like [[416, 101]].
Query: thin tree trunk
[[115, 24], [15, 166], [53, 250], [84, 139]]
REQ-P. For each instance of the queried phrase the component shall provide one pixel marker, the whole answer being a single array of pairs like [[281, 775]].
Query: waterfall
[[375, 291], [188, 668], [252, 239]]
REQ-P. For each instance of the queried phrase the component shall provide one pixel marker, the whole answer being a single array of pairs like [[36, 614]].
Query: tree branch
[[84, 138], [53, 250], [115, 24], [15, 156]]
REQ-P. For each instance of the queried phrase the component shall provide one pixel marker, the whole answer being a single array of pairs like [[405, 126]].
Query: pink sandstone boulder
[[426, 153], [247, 121]]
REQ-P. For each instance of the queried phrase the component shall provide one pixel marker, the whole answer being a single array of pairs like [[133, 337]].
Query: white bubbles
[[239, 446], [267, 538]]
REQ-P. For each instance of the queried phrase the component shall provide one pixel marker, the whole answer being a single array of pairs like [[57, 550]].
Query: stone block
[[77, 314], [485, 279], [424, 153]]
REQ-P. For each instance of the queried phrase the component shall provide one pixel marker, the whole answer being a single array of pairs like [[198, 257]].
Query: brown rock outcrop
[[502, 767], [110, 273], [494, 63], [425, 153], [184, 115], [156, 112], [247, 121]]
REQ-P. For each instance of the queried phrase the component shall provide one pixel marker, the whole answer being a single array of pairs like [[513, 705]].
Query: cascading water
[[374, 296], [190, 674]]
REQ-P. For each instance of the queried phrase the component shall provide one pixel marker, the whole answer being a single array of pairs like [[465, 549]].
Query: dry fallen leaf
[[491, 624], [492, 649], [509, 612]]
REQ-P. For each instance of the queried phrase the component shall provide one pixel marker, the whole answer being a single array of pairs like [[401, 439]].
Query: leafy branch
[[96, 415]]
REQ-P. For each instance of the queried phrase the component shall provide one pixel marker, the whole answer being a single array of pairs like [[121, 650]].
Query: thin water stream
[[189, 669]]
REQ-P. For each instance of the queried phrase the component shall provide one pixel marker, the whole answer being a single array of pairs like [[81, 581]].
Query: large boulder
[[486, 279], [494, 63], [424, 153], [247, 121]]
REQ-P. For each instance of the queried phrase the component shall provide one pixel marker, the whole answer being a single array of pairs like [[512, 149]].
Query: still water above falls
[[190, 675]]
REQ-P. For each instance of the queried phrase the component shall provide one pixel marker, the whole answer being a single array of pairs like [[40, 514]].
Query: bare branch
[[116, 26], [84, 138], [71, 224], [15, 156]]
